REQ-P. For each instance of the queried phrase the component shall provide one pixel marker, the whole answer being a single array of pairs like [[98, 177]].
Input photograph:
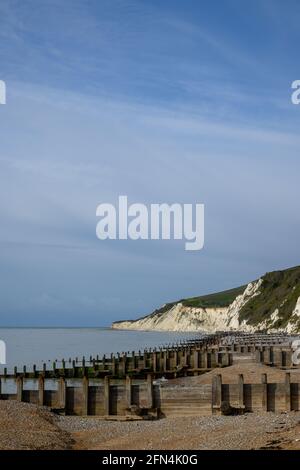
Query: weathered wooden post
[[175, 358], [128, 385], [183, 358], [189, 358], [216, 358], [271, 355], [62, 393], [154, 364], [123, 361], [41, 383], [133, 366], [160, 365], [113, 365], [225, 359], [85, 396], [149, 391], [144, 360], [165, 361], [264, 381], [204, 359], [196, 359], [241, 391], [266, 355], [106, 395], [258, 356], [288, 404], [216, 393], [283, 358], [19, 382], [288, 359]]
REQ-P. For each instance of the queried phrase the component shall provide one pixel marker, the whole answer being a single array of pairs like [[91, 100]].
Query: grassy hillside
[[219, 299], [280, 289]]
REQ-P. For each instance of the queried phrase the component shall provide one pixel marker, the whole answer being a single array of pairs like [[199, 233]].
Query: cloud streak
[[158, 103]]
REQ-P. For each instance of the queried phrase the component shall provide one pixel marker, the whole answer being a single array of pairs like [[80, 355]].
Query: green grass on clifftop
[[219, 299]]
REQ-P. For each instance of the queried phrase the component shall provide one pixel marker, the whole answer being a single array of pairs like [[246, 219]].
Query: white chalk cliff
[[180, 317]]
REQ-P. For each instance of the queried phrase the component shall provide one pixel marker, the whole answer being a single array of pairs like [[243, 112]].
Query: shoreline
[[206, 394]]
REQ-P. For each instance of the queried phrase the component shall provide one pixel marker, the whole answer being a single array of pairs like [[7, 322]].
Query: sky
[[173, 101]]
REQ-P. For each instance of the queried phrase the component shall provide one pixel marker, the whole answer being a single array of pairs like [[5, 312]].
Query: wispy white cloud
[[133, 99]]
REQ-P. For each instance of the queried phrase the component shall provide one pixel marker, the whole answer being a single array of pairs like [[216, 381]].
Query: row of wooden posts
[[111, 397], [124, 380], [190, 357], [169, 362], [59, 403], [286, 394]]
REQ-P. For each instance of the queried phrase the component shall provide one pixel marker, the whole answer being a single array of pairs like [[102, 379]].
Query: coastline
[[30, 427], [205, 393]]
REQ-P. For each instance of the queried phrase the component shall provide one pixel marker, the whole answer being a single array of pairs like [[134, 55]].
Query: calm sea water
[[28, 346]]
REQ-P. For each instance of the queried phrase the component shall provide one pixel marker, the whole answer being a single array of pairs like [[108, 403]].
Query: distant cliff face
[[271, 303], [180, 318]]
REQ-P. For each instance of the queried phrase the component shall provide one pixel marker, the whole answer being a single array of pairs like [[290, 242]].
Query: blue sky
[[173, 101]]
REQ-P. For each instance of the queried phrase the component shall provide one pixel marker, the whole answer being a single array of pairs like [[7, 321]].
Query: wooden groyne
[[130, 384], [111, 397], [256, 397], [186, 357]]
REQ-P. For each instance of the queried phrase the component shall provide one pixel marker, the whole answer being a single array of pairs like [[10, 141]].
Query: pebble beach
[[24, 426]]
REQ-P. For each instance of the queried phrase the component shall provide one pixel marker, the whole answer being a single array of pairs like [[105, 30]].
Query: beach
[[27, 427]]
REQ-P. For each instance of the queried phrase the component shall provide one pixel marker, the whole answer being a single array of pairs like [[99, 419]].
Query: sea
[[29, 346]]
